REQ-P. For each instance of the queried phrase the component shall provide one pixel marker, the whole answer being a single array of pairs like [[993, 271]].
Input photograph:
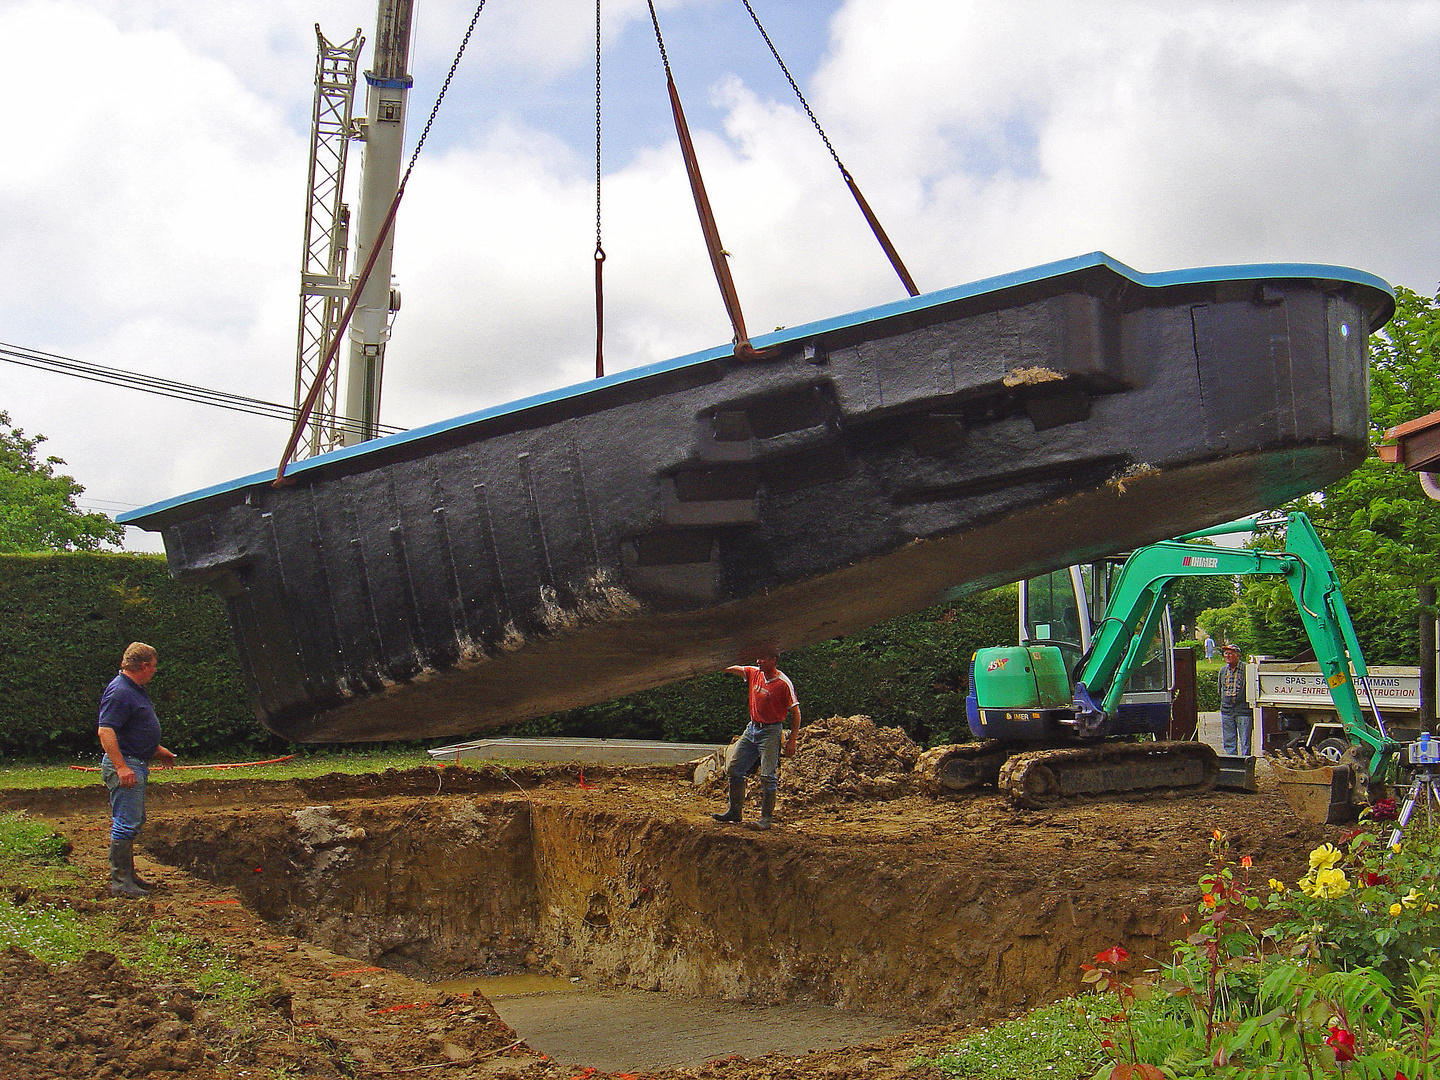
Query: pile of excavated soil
[[94, 1018], [841, 759], [847, 759]]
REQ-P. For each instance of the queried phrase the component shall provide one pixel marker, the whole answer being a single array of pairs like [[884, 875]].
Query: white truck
[[1293, 704]]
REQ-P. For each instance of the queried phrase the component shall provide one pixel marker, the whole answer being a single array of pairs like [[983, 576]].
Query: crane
[[325, 286], [387, 87]]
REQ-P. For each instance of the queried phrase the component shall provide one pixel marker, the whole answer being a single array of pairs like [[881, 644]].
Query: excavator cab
[[1024, 692]]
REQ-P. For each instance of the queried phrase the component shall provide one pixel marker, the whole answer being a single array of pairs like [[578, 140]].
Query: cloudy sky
[[152, 195]]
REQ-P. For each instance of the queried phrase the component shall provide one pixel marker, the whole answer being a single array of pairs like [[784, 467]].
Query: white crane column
[[387, 87]]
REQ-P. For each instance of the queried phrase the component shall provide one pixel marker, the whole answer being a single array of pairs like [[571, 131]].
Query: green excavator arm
[[1138, 603]]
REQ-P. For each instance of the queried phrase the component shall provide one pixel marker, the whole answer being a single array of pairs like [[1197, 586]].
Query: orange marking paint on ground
[[398, 1008], [222, 765]]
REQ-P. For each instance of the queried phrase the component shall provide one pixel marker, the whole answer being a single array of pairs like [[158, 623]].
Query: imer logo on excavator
[[1200, 560]]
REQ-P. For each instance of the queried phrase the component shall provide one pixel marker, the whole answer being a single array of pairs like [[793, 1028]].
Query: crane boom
[[387, 86], [327, 223]]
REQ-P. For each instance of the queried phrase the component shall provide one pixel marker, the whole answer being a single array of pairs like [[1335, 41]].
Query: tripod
[[1424, 792]]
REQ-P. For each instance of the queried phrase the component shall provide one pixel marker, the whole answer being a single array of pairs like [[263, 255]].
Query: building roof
[[1416, 444]]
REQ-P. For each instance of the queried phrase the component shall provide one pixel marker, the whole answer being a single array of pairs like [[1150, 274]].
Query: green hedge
[[65, 619], [910, 672]]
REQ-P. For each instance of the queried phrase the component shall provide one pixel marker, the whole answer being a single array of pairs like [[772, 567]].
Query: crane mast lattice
[[323, 284]]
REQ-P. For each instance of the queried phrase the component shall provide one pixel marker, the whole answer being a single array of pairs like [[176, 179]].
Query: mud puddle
[[618, 1030]]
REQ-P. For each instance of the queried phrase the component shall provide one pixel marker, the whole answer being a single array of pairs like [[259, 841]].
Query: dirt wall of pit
[[435, 887]]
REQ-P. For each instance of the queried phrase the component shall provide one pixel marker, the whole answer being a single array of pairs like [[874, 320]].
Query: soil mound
[[841, 759], [846, 759], [92, 1019]]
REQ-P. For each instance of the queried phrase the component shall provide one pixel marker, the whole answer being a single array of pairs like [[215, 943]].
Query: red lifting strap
[[743, 349]]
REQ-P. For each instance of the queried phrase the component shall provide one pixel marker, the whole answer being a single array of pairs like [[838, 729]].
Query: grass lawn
[[29, 775]]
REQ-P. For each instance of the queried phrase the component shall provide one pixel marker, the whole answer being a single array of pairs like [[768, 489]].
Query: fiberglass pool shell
[[663, 522]]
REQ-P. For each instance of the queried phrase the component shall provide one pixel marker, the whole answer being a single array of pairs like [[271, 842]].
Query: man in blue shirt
[[129, 732]]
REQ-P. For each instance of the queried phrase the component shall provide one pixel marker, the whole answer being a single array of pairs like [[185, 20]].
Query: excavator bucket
[[1320, 795]]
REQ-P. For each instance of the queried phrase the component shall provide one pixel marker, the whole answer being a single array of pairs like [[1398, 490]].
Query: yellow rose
[[1395, 910], [1276, 885], [1412, 898], [1330, 883], [1324, 857]]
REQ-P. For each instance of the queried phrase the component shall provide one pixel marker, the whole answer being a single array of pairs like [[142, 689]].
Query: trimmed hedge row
[[65, 619]]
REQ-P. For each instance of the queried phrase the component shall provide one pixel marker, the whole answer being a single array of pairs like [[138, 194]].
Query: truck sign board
[[1281, 685]]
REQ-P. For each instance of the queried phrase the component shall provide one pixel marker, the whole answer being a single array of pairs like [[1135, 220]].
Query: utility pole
[[387, 85], [1425, 595]]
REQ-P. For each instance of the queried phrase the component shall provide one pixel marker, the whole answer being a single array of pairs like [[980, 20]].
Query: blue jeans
[[1235, 726], [127, 804], [760, 742]]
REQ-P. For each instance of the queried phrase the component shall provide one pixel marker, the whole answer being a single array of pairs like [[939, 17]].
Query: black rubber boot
[[767, 808], [148, 886], [122, 870], [737, 796]]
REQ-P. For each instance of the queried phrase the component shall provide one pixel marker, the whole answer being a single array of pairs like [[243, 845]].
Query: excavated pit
[[877, 917], [447, 886]]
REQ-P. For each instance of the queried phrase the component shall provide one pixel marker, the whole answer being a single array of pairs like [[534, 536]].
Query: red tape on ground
[[223, 765]]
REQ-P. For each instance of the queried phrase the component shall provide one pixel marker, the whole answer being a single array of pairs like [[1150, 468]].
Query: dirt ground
[[951, 910]]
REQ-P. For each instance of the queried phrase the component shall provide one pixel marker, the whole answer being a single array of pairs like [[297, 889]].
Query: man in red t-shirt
[[772, 699]]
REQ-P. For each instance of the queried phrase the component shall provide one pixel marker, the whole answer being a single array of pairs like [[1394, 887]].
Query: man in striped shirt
[[1236, 719]]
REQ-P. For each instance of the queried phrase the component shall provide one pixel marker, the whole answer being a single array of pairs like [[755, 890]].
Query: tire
[[1332, 750]]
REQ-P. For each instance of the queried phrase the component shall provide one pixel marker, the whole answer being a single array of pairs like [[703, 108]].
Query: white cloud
[[152, 204], [1166, 134]]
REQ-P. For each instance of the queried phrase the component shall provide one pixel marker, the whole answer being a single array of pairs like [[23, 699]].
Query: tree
[[1189, 596], [37, 505], [1231, 624]]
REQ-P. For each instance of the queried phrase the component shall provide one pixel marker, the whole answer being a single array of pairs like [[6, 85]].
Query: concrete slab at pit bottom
[[584, 751]]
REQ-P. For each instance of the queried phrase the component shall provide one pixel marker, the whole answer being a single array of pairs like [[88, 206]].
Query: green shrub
[[65, 619]]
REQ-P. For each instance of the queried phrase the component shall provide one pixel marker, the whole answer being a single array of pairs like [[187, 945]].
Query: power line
[[153, 384]]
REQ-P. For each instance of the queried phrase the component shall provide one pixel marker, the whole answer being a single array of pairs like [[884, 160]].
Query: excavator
[[1049, 724]]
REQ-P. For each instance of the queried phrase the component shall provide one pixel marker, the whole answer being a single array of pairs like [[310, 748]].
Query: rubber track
[[961, 766], [1044, 778]]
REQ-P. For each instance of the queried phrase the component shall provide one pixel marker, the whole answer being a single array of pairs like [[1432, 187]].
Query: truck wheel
[[1332, 750]]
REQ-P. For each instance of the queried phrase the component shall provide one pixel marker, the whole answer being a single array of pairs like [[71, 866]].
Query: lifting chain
[[870, 218], [599, 247]]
